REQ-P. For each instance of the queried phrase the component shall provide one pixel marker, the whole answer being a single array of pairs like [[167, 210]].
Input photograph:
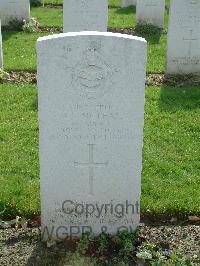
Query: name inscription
[[98, 122]]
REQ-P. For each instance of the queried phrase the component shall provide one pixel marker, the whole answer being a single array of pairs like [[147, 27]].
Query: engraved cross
[[190, 39], [91, 166]]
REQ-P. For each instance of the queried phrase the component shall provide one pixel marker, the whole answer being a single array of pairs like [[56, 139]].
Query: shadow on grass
[[173, 98], [34, 105], [6, 35], [126, 10], [150, 38], [150, 32]]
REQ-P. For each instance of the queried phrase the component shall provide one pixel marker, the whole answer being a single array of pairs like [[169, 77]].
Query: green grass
[[118, 17], [19, 48], [19, 167], [116, 3], [55, 2], [157, 49], [48, 17], [122, 17], [20, 51], [171, 170], [111, 2]]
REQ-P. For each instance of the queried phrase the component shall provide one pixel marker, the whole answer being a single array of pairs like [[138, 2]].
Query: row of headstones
[[91, 116], [183, 56], [183, 33], [93, 14], [151, 12], [148, 11]]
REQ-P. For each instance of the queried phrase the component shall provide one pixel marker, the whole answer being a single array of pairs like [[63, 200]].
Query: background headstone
[[126, 3], [85, 15], [150, 12], [183, 55], [91, 108], [1, 52], [14, 9]]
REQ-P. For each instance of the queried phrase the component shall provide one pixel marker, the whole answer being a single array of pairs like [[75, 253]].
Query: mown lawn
[[19, 167], [111, 2], [171, 169], [19, 50], [118, 17]]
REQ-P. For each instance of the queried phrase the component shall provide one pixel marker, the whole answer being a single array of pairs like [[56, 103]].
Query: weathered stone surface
[[85, 15], [14, 9], [151, 12], [91, 108], [1, 52], [126, 3], [183, 55]]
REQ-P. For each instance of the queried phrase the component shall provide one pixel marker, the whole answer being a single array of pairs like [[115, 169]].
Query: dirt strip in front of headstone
[[153, 79], [23, 246]]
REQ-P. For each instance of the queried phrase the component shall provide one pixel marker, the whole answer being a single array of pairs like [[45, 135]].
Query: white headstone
[[126, 3], [85, 15], [151, 12], [1, 52], [183, 56], [14, 9], [91, 108]]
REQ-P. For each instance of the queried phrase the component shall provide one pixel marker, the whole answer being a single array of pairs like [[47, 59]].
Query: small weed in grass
[[3, 75], [83, 243], [150, 255], [107, 247], [30, 25], [103, 243], [125, 242]]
